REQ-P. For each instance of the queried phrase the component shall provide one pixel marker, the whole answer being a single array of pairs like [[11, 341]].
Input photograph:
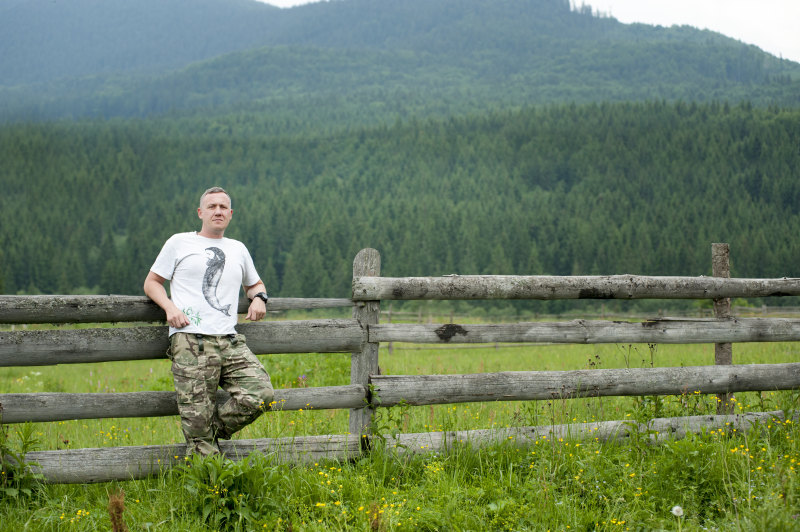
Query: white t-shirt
[[205, 275]]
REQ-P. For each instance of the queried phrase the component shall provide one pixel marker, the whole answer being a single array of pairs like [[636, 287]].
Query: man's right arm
[[154, 289]]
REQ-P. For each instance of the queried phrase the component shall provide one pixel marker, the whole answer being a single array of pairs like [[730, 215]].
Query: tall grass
[[721, 479]]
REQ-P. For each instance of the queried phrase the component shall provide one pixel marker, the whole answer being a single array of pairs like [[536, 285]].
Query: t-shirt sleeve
[[250, 276], [166, 261]]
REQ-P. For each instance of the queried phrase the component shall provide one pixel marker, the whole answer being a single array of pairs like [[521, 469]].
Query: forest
[[455, 136], [611, 188]]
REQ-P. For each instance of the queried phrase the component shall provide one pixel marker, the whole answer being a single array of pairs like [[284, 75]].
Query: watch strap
[[262, 296]]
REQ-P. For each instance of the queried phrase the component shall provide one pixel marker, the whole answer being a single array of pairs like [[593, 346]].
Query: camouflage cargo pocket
[[184, 350]]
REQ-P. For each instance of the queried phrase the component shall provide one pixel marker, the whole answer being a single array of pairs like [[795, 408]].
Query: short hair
[[215, 190]]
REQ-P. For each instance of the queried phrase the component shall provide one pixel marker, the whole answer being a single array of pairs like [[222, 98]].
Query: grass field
[[721, 480]]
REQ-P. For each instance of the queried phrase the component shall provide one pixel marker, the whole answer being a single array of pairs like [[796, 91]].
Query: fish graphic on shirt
[[212, 278]]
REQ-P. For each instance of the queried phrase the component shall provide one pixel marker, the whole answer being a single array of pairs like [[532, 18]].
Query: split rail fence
[[361, 336]]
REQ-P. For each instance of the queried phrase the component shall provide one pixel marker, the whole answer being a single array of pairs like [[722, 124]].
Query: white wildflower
[[677, 511]]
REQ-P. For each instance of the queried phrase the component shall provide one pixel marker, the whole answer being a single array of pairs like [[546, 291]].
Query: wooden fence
[[361, 337]]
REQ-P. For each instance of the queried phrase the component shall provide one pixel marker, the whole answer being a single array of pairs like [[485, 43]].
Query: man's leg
[[247, 381], [196, 373]]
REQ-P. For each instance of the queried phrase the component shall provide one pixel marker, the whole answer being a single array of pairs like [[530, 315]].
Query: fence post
[[364, 363], [391, 344], [723, 352]]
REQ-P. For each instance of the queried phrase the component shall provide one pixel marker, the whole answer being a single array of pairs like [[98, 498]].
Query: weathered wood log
[[364, 361], [723, 351], [574, 287], [659, 331], [74, 466], [127, 463], [390, 390], [115, 308], [41, 348], [37, 407], [658, 429]]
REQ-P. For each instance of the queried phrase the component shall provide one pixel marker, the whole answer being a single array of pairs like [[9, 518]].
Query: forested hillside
[[455, 136], [358, 62], [595, 189], [43, 40], [46, 40]]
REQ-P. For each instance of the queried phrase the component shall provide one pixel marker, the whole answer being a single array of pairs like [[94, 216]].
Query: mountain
[[45, 40], [357, 61], [412, 126]]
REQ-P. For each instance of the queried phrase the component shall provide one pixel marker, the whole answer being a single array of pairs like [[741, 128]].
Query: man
[[205, 271]]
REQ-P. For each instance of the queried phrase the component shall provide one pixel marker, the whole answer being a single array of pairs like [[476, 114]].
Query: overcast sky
[[772, 25]]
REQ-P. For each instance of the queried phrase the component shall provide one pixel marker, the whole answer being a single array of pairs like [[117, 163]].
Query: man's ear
[[198, 212]]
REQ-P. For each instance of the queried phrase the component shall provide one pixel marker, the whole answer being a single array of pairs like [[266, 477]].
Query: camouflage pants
[[201, 364]]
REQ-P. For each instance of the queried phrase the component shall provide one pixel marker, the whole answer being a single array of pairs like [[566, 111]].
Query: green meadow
[[718, 479]]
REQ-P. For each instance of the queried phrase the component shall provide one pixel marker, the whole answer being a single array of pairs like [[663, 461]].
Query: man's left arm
[[258, 308]]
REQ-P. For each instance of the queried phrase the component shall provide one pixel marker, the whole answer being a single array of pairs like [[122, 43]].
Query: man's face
[[215, 211]]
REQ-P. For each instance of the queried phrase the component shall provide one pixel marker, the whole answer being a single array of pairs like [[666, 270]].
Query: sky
[[772, 25]]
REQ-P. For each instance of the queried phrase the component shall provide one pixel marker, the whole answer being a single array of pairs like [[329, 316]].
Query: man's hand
[[154, 289], [176, 318], [257, 310]]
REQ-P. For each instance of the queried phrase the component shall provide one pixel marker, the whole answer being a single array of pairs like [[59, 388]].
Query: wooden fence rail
[[361, 337], [40, 348], [547, 287], [106, 464], [655, 331], [36, 407], [391, 390], [134, 462], [111, 309]]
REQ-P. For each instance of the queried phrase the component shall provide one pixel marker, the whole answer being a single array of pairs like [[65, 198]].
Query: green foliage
[[18, 481], [596, 189], [230, 495], [722, 479]]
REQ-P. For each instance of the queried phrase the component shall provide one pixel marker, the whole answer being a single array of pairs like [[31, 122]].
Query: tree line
[[640, 188]]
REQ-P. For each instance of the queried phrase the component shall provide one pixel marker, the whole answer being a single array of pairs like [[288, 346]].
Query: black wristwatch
[[262, 296]]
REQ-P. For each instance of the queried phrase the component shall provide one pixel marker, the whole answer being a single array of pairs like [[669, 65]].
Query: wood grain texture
[[568, 287], [723, 350], [655, 331], [364, 361], [656, 430], [115, 308], [90, 465], [93, 465], [390, 390], [70, 346], [39, 407]]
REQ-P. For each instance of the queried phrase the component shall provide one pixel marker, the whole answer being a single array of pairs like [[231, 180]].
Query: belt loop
[[199, 342], [233, 339]]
